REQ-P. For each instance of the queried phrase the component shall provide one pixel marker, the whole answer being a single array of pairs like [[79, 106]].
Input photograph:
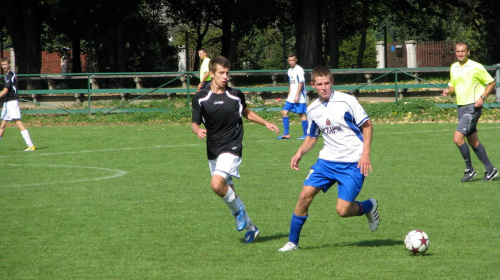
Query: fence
[[429, 54], [180, 83]]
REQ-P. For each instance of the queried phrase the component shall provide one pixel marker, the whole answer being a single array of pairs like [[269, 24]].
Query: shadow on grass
[[266, 238], [368, 243]]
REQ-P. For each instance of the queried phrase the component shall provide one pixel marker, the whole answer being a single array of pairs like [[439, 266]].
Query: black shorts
[[468, 117]]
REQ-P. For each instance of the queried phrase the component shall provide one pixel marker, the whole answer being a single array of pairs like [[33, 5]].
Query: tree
[[308, 32], [333, 34], [24, 24]]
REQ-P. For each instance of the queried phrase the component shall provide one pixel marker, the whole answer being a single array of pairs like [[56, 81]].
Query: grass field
[[134, 202]]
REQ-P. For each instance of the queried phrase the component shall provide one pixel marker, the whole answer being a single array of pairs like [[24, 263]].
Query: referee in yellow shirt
[[472, 84]]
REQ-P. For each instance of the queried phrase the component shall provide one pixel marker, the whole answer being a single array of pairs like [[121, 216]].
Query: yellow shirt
[[204, 68], [469, 81]]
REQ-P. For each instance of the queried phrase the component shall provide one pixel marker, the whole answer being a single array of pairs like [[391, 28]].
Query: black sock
[[483, 157], [464, 150]]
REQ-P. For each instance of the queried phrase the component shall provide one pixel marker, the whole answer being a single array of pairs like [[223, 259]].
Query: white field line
[[115, 173], [40, 154]]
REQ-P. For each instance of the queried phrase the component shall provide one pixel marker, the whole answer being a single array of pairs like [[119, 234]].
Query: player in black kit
[[220, 108]]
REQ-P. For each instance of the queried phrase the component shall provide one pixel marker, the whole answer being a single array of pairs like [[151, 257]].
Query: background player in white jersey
[[220, 108], [344, 159], [296, 100], [11, 110]]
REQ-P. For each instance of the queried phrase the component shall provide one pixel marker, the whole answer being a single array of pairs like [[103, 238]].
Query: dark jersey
[[11, 85], [221, 115]]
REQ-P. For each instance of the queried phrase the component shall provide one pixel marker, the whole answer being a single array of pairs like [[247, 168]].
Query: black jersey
[[221, 115], [11, 85]]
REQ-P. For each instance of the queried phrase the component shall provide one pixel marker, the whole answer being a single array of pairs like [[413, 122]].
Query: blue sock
[[364, 207], [304, 127], [295, 228], [286, 125]]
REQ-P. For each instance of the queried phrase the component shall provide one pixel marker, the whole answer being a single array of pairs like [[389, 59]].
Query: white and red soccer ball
[[417, 242]]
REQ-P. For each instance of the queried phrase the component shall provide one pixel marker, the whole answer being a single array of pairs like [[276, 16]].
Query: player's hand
[[479, 103], [365, 165], [446, 92], [294, 163], [201, 133], [273, 127]]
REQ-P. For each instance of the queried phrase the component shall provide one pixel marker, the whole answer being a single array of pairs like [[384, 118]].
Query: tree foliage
[[140, 35]]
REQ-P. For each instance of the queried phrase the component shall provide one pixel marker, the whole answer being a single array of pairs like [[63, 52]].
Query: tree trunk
[[308, 33], [24, 24], [76, 63], [493, 31], [227, 21], [333, 35], [362, 40]]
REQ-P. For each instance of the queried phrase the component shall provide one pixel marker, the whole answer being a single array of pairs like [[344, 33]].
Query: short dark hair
[[463, 43], [203, 50], [321, 71], [291, 54], [218, 60], [5, 59]]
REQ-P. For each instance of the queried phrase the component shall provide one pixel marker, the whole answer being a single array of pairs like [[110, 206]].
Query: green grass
[[134, 202]]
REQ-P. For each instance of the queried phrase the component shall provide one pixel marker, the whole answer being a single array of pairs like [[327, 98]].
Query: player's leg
[[26, 135], [465, 127], [303, 122], [222, 169], [5, 118], [299, 217], [252, 231], [478, 148], [2, 127], [350, 182], [286, 121]]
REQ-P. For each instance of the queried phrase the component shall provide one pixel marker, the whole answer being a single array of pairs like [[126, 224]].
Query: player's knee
[[218, 187], [305, 199]]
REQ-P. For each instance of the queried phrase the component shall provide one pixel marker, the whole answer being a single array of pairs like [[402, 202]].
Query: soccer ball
[[417, 242]]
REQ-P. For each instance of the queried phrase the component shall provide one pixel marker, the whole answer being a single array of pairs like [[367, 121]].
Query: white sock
[[250, 226], [230, 200], [27, 138]]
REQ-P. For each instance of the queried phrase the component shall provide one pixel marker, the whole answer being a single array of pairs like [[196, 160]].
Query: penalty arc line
[[117, 173]]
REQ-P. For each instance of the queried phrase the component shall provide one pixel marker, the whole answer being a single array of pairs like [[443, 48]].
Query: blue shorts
[[298, 108], [324, 174]]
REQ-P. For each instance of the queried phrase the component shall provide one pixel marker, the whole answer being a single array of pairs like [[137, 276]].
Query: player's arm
[[200, 132], [297, 94], [4, 92], [203, 79], [254, 117], [489, 88], [448, 91], [364, 163], [307, 145]]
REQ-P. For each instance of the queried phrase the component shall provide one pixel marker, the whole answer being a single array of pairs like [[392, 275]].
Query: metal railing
[[184, 87]]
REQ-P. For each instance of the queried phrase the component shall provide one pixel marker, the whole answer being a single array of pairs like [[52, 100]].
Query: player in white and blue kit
[[297, 98], [344, 159]]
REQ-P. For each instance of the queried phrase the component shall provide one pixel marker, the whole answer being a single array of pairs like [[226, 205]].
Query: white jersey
[[340, 120], [296, 77]]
